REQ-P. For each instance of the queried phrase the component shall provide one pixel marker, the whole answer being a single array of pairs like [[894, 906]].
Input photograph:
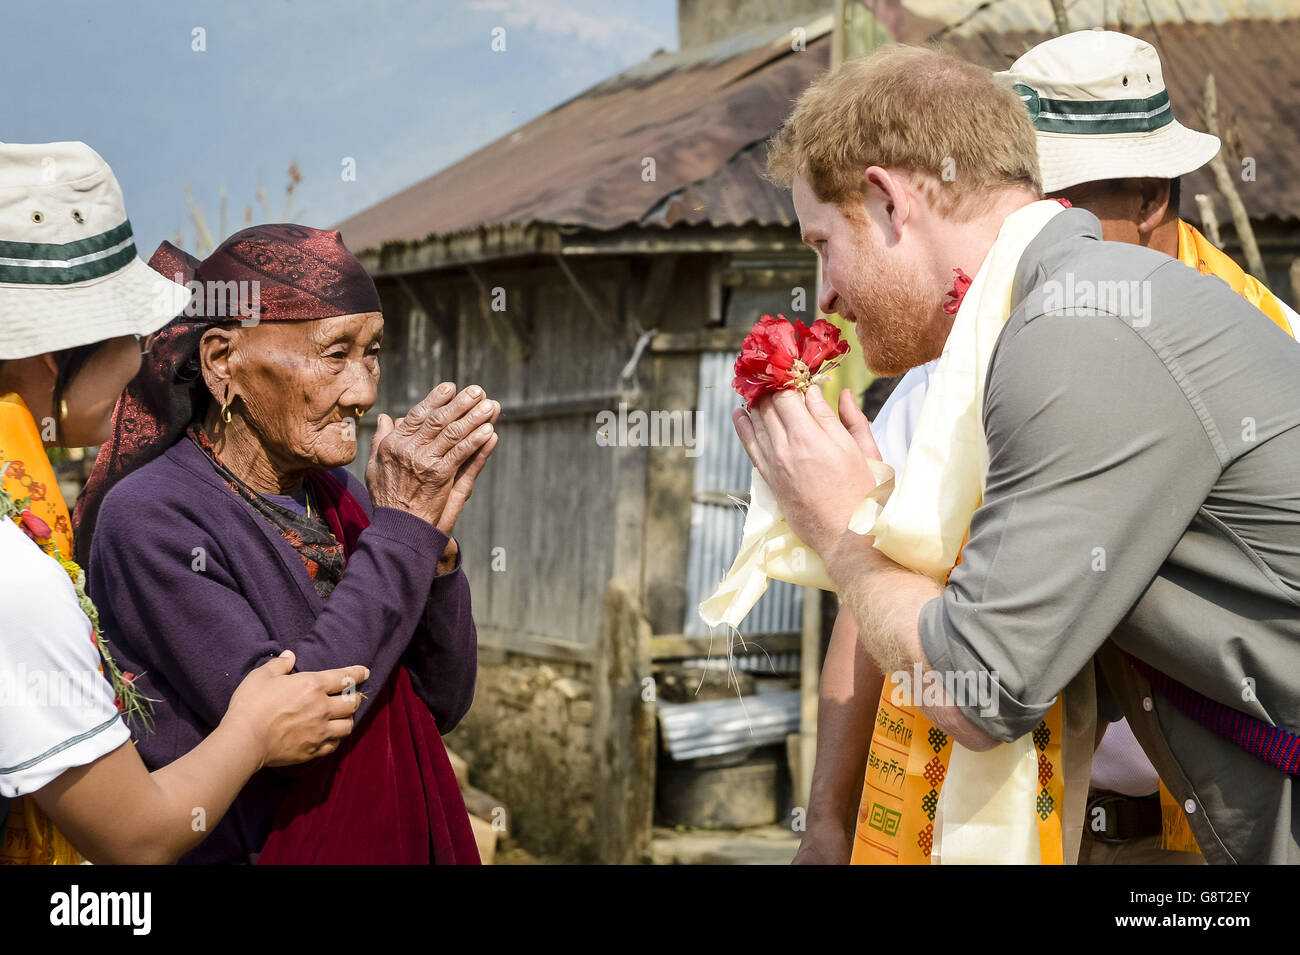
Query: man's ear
[[217, 350], [1154, 204], [890, 191]]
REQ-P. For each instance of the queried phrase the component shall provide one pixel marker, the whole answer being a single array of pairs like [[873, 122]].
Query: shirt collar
[[1050, 249]]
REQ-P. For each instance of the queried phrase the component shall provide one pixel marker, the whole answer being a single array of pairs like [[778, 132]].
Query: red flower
[[33, 526], [957, 292], [777, 355], [820, 342], [128, 677]]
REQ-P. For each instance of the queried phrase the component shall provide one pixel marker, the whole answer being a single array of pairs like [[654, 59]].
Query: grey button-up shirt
[[1143, 424]]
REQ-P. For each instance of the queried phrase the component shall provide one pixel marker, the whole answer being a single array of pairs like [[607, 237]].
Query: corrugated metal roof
[[735, 195], [704, 116], [583, 162], [970, 17]]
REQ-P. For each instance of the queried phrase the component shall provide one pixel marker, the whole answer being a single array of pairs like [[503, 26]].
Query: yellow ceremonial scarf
[[29, 836]]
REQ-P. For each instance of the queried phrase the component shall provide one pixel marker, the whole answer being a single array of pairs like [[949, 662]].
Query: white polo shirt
[[56, 708]]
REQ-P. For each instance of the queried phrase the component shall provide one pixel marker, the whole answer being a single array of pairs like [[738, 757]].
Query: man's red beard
[[899, 318]]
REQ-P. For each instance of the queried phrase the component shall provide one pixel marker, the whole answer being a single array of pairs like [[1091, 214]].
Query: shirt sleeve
[[1098, 462], [443, 657], [58, 709]]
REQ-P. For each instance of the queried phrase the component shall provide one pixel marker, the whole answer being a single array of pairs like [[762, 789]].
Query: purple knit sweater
[[195, 589]]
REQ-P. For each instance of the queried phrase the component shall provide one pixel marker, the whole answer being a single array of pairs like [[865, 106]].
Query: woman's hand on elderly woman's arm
[[426, 462], [171, 614], [274, 718]]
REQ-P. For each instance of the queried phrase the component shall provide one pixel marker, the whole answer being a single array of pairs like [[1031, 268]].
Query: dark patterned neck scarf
[[321, 554]]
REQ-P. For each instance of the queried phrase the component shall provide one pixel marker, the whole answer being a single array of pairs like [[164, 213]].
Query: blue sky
[[405, 88]]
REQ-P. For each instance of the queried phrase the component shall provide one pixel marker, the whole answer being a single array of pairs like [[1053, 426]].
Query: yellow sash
[[1196, 251], [29, 837]]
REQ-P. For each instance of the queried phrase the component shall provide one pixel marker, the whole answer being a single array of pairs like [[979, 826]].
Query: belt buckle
[[1103, 802]]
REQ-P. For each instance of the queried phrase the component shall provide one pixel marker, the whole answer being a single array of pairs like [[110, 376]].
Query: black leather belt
[[1114, 817]]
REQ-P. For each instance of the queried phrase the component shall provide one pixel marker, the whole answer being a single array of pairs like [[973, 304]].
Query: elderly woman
[[74, 322], [243, 536]]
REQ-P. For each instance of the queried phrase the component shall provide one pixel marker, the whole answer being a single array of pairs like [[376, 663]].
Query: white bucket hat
[[1099, 104], [69, 272]]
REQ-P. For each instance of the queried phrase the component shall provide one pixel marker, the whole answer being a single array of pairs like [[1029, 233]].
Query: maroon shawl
[[388, 795]]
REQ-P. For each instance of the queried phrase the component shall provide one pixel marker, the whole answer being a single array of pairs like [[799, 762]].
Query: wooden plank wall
[[544, 508]]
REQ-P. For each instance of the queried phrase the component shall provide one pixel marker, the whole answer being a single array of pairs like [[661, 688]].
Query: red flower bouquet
[[777, 355]]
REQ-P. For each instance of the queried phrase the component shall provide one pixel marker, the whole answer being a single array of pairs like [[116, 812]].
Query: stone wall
[[527, 740]]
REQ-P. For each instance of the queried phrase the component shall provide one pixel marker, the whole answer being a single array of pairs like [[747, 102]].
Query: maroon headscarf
[[300, 274]]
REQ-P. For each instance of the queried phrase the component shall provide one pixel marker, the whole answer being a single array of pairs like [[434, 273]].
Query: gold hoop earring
[[63, 409], [360, 413], [225, 413]]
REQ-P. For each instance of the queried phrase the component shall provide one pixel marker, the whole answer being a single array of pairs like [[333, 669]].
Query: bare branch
[[1223, 179], [1209, 220], [1062, 21]]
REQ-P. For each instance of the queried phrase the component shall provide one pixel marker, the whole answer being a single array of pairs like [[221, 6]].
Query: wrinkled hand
[[296, 716], [815, 463], [426, 462]]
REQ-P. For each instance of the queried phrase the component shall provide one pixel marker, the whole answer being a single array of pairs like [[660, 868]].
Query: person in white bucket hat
[[1099, 103], [1109, 142], [69, 271], [71, 281], [77, 308]]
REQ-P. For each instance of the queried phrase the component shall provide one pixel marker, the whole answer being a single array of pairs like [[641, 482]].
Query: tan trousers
[[1144, 851]]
